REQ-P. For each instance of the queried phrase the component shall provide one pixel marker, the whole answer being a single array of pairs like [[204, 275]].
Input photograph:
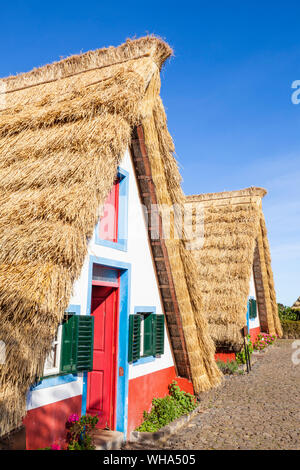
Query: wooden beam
[[160, 254]]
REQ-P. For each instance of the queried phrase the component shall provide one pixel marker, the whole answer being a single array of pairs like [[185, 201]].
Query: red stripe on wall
[[225, 357], [143, 389], [46, 425], [254, 332]]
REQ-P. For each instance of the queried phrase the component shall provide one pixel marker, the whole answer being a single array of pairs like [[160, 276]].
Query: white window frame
[[57, 342]]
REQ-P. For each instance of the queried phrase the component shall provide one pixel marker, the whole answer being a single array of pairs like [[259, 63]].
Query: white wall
[[255, 322], [144, 288], [45, 396]]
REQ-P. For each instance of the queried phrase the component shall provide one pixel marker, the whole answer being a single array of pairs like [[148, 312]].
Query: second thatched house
[[296, 308], [231, 249], [99, 312]]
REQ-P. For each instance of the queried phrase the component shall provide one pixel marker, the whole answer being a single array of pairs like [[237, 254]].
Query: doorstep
[[107, 440]]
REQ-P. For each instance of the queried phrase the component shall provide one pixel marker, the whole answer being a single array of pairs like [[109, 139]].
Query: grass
[[229, 367]]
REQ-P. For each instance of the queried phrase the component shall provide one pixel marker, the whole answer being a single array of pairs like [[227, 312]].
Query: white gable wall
[[144, 290], [255, 322]]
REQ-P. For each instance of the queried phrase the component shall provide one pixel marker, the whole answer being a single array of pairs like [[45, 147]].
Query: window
[[72, 349], [252, 309], [147, 320], [52, 363], [112, 228], [146, 335], [108, 226], [104, 276]]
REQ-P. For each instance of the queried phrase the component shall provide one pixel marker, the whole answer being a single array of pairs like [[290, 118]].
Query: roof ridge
[[151, 46], [296, 305], [251, 191]]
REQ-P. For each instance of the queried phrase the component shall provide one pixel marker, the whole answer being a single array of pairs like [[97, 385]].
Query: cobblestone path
[[260, 410]]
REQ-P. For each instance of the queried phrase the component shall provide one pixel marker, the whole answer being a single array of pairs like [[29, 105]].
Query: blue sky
[[227, 91]]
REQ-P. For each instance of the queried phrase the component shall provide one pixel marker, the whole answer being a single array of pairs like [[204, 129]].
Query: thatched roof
[[296, 305], [235, 240], [64, 129]]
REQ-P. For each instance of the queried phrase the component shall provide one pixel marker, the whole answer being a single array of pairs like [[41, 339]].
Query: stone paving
[[260, 410]]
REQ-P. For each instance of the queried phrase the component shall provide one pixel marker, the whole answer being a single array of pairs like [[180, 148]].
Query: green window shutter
[[85, 342], [250, 309], [68, 347], [77, 344], [253, 309], [158, 335], [148, 335], [134, 338]]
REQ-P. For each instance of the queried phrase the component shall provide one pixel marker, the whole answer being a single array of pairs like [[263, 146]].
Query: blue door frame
[[124, 303]]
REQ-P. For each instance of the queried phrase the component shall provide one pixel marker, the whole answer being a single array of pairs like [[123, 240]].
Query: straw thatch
[[296, 305], [234, 244], [64, 129]]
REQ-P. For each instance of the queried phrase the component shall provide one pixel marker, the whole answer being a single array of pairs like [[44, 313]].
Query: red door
[[101, 389]]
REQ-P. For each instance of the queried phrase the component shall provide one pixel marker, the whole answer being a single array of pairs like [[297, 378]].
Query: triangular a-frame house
[[296, 305], [232, 254], [75, 135]]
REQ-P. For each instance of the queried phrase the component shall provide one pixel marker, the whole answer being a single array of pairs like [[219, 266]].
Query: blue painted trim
[[84, 393], [144, 360], [124, 303], [147, 359], [74, 309], [121, 244], [55, 380], [144, 309]]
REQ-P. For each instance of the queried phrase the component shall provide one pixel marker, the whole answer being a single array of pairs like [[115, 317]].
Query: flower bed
[[78, 433], [263, 340]]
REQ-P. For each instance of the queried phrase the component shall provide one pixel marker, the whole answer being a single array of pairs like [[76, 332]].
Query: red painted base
[[254, 332], [46, 425], [225, 357], [143, 389]]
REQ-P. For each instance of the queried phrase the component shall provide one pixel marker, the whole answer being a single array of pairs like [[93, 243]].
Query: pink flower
[[55, 447], [73, 418]]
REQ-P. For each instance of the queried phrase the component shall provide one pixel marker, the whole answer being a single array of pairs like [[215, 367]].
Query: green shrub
[[241, 356], [286, 313], [167, 409], [229, 367], [291, 329]]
